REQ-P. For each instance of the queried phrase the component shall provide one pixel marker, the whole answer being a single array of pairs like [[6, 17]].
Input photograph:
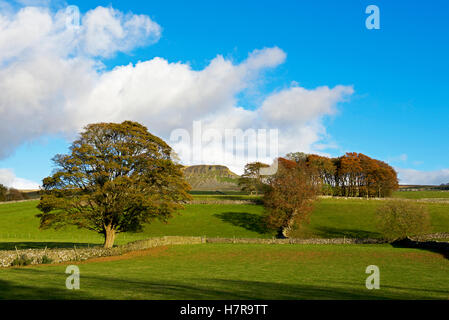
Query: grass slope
[[433, 194], [355, 218], [331, 218], [19, 226], [219, 271]]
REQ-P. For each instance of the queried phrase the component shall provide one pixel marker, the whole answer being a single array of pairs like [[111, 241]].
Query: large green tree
[[116, 178], [252, 181]]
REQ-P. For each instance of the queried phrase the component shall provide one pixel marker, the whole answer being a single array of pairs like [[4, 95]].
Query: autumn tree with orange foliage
[[358, 175], [351, 175], [289, 199]]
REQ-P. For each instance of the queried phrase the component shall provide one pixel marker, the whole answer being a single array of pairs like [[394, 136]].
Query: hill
[[211, 178]]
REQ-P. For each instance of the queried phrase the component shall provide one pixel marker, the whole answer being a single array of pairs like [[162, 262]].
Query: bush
[[22, 260], [14, 195], [3, 191], [398, 219], [46, 260]]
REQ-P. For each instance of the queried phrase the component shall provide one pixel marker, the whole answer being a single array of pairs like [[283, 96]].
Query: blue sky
[[399, 109]]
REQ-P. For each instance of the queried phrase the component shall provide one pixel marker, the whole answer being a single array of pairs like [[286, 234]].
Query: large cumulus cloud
[[52, 81]]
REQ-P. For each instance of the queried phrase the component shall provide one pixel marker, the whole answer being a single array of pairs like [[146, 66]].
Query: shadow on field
[[249, 221], [42, 245], [12, 291], [330, 232], [432, 246], [119, 287]]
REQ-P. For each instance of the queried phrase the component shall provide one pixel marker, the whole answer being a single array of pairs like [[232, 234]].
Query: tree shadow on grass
[[330, 232], [124, 286], [10, 290], [119, 287], [423, 291], [441, 248], [42, 245], [249, 221]]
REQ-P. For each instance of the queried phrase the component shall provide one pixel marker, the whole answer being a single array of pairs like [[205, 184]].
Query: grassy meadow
[[430, 194], [332, 218], [230, 271], [226, 271]]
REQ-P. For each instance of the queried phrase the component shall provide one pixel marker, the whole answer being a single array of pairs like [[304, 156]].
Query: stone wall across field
[[295, 241], [432, 236], [80, 254], [225, 201], [17, 201]]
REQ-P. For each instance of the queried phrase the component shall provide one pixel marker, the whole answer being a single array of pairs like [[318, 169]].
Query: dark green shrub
[[22, 260], [46, 260], [3, 191], [397, 219]]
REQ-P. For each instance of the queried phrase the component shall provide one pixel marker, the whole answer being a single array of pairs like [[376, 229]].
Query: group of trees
[[443, 186], [10, 194], [351, 175], [289, 194]]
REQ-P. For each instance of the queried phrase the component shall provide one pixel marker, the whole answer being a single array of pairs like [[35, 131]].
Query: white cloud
[[299, 105], [107, 31], [52, 82], [400, 158], [9, 179], [412, 176]]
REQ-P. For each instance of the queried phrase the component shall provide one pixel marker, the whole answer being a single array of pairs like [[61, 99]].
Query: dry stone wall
[[80, 254]]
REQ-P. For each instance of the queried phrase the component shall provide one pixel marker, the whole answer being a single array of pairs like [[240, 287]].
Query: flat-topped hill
[[211, 178]]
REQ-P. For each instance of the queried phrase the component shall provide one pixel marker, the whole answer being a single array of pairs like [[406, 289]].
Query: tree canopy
[[3, 191], [289, 198], [116, 178], [351, 175], [10, 194], [252, 181]]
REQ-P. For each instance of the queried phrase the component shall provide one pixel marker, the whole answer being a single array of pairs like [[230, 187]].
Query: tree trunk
[[287, 229], [109, 236], [290, 226]]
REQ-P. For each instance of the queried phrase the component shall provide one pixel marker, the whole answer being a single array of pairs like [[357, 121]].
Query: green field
[[230, 271], [431, 194], [355, 218], [331, 218], [19, 226], [220, 271]]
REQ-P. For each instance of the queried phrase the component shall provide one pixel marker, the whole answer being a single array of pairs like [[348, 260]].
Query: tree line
[[351, 175], [11, 194], [290, 194]]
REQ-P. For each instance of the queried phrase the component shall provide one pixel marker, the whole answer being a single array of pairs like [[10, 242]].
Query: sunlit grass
[[215, 271]]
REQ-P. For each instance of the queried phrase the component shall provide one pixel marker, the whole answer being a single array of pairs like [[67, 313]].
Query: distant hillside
[[211, 178]]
